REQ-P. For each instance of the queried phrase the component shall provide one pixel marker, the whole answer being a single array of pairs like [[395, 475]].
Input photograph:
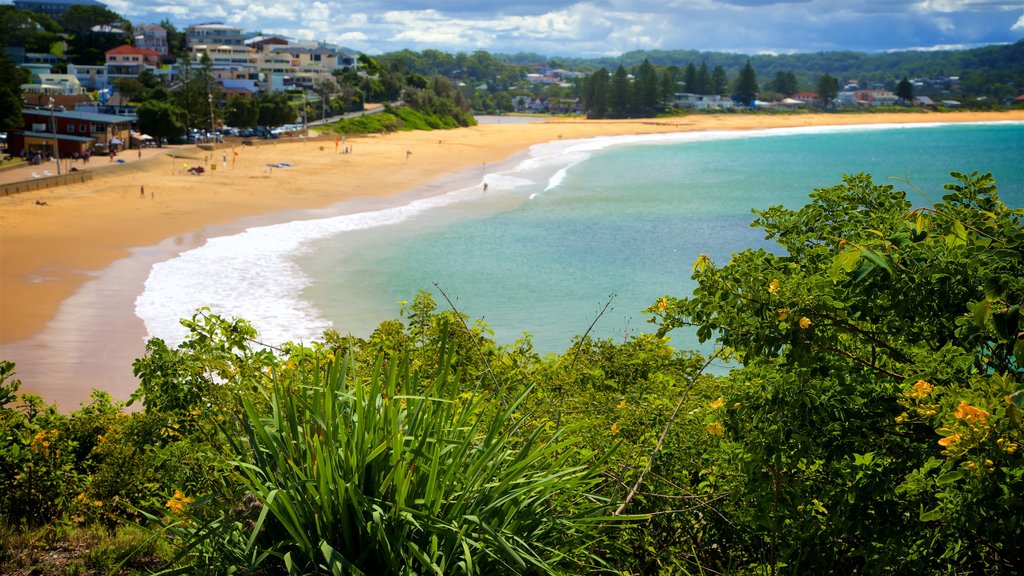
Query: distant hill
[[1001, 64]]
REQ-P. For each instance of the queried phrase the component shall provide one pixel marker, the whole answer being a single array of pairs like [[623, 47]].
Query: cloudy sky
[[607, 27]]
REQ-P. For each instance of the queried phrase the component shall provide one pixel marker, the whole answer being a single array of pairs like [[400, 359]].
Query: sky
[[607, 27]]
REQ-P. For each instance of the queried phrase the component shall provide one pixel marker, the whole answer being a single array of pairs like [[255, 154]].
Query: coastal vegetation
[[870, 423]]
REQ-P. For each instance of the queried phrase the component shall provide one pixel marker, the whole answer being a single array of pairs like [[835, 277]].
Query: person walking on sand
[[142, 192]]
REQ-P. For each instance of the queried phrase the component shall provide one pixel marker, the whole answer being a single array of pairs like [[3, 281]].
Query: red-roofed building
[[129, 61], [808, 97]]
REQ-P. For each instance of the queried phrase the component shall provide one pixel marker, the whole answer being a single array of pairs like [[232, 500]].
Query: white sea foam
[[253, 274]]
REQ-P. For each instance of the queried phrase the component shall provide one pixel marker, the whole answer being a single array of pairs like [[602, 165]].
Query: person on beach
[[142, 192]]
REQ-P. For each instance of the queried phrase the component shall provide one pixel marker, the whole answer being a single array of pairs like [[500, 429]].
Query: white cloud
[[1019, 25]]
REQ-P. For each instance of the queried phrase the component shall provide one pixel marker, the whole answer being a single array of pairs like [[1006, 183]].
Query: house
[[151, 37], [128, 60], [90, 77], [74, 132], [55, 84], [53, 8]]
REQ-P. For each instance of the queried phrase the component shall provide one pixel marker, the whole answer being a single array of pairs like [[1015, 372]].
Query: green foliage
[[161, 119], [396, 473], [11, 79], [875, 420], [746, 85]]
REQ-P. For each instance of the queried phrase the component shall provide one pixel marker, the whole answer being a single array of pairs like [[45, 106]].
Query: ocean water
[[574, 225]]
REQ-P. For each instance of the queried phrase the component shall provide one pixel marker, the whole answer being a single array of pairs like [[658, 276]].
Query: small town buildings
[[73, 132]]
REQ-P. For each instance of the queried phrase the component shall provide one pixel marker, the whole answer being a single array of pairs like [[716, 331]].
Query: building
[[74, 132], [128, 60], [53, 8], [213, 34], [702, 101], [151, 37], [66, 84]]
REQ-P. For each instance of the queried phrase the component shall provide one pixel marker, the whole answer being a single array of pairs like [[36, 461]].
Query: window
[[71, 128]]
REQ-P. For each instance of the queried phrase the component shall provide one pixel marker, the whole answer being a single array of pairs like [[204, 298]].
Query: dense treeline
[[871, 423], [984, 69]]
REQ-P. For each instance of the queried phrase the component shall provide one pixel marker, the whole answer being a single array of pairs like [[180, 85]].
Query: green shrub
[[397, 473]]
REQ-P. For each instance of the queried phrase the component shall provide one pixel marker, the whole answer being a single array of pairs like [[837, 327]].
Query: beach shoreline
[[71, 270]]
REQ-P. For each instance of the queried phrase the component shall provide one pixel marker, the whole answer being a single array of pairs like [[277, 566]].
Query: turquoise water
[[627, 222]]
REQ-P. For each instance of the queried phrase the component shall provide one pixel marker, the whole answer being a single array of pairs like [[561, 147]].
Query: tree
[[92, 31], [828, 89], [879, 380], [619, 101], [702, 80], [596, 95], [785, 83], [646, 90], [669, 85], [690, 78], [719, 81], [161, 119], [11, 79], [274, 109], [905, 91], [175, 38], [242, 112], [130, 88], [33, 31], [746, 86]]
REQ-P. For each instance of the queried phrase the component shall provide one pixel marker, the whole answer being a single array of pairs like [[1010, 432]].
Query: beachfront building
[[53, 8], [702, 101], [213, 34], [74, 132]]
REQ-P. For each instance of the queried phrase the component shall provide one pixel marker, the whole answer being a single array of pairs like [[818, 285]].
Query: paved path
[[24, 172]]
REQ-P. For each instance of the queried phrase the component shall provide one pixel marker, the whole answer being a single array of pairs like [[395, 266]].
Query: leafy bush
[[396, 473]]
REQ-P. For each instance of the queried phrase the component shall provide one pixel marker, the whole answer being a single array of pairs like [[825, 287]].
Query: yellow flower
[[902, 418], [621, 404], [805, 322], [949, 440], [179, 502], [921, 389], [783, 314], [716, 429], [717, 403], [773, 286], [970, 414], [662, 304], [615, 428]]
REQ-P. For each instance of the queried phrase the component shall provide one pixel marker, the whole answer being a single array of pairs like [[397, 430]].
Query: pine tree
[[746, 86]]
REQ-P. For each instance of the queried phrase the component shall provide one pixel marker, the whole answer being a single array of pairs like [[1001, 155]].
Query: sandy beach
[[67, 288]]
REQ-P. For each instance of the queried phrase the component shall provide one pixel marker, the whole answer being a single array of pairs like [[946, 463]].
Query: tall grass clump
[[397, 473]]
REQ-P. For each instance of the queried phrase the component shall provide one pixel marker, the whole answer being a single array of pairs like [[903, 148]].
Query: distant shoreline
[[68, 292]]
